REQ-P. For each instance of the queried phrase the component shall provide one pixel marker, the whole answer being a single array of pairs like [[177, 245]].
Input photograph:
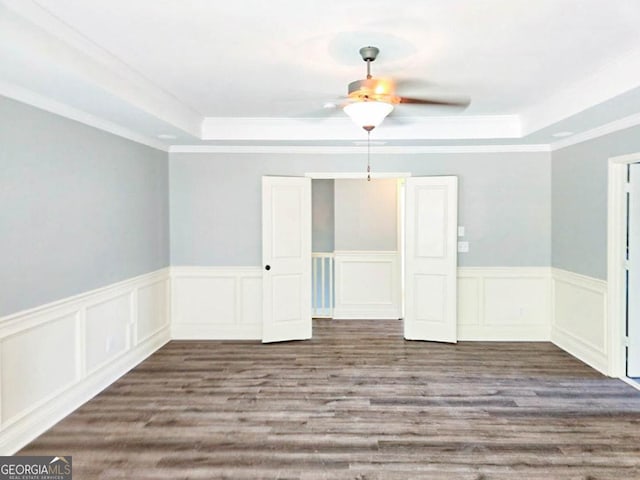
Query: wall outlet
[[463, 247], [461, 231]]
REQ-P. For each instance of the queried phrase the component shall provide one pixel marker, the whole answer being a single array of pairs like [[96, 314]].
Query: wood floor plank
[[357, 402]]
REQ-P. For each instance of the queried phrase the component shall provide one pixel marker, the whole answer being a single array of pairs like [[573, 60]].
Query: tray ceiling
[[187, 68]]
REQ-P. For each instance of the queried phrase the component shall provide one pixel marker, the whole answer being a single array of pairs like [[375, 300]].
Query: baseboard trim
[[508, 333], [579, 349], [197, 331]]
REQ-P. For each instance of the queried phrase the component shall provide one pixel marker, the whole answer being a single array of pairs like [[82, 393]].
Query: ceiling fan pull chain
[[368, 155]]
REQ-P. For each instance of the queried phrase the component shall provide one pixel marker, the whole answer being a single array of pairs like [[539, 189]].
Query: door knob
[[268, 267]]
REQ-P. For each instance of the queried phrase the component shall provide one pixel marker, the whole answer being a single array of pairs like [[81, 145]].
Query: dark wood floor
[[356, 402]]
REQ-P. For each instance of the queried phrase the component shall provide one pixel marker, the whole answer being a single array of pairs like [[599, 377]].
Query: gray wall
[[366, 215], [79, 208], [322, 215], [579, 199], [504, 202]]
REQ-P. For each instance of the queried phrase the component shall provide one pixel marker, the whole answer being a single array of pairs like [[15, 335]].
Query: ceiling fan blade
[[411, 83], [450, 102]]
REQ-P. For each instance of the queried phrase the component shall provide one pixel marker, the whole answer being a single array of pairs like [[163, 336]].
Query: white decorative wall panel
[[57, 356], [219, 303], [36, 364], [521, 301], [504, 303], [107, 329], [251, 304], [153, 314], [204, 300], [469, 300], [580, 317], [367, 285]]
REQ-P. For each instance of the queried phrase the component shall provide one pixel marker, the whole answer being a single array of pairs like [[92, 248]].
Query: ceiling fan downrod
[[369, 54]]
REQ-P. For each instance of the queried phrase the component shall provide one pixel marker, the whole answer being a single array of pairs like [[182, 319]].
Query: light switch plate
[[461, 231], [463, 247]]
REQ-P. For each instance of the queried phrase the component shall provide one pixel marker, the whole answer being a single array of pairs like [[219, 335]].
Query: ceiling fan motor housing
[[367, 84], [374, 89], [369, 54]]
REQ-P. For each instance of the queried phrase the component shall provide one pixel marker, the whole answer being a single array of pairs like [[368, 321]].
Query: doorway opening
[[428, 247], [357, 248]]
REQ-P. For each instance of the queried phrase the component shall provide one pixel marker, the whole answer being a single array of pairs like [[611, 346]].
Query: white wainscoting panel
[[153, 311], [504, 303], [367, 285], [107, 330], [216, 303], [28, 382], [57, 356], [579, 324]]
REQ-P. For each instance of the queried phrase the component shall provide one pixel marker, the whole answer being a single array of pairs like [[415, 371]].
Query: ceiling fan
[[370, 100]]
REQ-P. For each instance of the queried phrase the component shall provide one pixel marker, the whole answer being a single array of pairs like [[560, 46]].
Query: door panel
[[286, 251], [633, 286], [430, 303], [431, 259], [430, 218]]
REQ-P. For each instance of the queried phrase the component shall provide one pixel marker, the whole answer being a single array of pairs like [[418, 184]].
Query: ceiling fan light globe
[[368, 115]]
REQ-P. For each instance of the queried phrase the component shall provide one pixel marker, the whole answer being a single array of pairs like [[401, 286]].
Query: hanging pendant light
[[368, 114]]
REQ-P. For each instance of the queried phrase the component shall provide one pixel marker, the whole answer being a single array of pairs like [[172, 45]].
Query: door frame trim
[[616, 284]]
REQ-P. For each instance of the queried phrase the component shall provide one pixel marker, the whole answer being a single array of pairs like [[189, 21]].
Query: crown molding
[[30, 98], [36, 31], [293, 129], [602, 130], [332, 150], [613, 78]]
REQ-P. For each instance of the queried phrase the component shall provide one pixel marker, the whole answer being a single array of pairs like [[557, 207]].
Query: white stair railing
[[322, 298]]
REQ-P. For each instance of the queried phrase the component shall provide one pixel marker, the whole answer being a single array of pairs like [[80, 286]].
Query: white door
[[286, 257], [633, 285], [431, 216]]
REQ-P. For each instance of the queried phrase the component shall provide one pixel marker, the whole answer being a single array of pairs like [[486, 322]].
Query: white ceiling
[[209, 71]]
